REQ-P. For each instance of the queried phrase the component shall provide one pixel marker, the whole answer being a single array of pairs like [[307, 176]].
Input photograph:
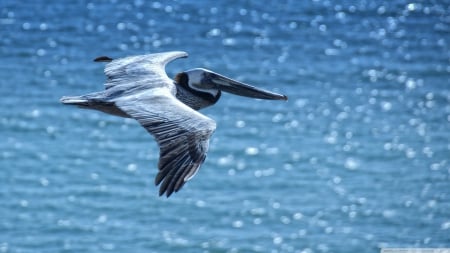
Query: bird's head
[[196, 81], [208, 83]]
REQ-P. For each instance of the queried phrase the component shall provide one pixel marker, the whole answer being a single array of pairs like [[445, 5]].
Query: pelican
[[138, 87]]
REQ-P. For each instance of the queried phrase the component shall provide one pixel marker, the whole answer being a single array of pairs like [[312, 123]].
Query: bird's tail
[[75, 100], [84, 100], [94, 101]]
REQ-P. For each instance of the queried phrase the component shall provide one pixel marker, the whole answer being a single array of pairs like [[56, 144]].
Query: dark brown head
[[197, 84]]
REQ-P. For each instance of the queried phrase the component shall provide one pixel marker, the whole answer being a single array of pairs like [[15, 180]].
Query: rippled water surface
[[356, 160]]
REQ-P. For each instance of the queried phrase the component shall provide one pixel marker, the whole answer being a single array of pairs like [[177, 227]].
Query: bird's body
[[138, 87]]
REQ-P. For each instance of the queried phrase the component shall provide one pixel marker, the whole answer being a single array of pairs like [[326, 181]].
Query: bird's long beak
[[232, 86]]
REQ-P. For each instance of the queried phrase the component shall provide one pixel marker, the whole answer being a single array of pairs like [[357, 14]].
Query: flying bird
[[138, 87]]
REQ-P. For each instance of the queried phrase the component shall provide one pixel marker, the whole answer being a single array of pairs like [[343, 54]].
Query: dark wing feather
[[181, 132], [103, 59]]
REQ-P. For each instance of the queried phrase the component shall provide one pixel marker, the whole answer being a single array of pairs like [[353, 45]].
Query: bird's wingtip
[[103, 59], [181, 54], [162, 192]]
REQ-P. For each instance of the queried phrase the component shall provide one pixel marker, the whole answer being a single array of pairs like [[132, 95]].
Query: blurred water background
[[356, 160]]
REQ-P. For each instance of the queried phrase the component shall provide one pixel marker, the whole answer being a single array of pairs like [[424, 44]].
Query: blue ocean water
[[356, 160]]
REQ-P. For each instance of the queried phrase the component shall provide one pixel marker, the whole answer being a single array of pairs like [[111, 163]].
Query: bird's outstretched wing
[[181, 132], [139, 71]]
